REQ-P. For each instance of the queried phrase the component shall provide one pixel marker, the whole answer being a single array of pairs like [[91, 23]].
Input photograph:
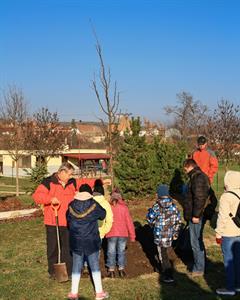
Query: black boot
[[122, 273], [111, 274]]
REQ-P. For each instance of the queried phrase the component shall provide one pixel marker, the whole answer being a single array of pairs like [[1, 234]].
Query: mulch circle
[[10, 203]]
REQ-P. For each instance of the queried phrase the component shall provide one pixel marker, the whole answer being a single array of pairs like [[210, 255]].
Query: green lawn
[[8, 184], [23, 267], [23, 272], [24, 183]]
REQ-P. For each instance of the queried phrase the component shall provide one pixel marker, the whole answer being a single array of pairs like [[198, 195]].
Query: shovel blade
[[60, 271]]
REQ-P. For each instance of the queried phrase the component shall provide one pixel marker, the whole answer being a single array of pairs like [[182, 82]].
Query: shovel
[[60, 269]]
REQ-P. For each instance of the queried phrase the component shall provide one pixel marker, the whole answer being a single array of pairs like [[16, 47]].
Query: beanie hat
[[85, 188], [162, 190], [116, 196], [98, 189]]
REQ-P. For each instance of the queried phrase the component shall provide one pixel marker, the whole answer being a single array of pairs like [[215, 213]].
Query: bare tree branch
[[109, 105]]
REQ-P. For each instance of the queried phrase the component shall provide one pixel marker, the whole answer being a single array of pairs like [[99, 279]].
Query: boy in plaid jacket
[[164, 217]]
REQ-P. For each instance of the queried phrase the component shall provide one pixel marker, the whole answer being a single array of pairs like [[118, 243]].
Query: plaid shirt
[[165, 219]]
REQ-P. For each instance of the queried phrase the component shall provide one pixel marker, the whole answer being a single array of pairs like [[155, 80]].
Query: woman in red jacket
[[117, 237]]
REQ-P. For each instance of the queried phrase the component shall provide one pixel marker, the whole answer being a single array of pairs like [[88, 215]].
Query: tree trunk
[[17, 177], [110, 151]]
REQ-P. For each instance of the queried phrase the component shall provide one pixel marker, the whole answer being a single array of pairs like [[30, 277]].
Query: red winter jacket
[[207, 162], [122, 222], [49, 188]]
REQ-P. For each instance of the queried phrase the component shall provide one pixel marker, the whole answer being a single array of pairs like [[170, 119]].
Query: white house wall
[[52, 165]]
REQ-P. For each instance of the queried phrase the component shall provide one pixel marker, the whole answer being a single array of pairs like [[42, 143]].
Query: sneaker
[[197, 274], [122, 273], [72, 296], [225, 292], [102, 295], [168, 280]]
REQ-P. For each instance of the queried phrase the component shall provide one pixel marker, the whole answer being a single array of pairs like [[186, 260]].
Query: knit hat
[[85, 188], [116, 196], [162, 190], [98, 189]]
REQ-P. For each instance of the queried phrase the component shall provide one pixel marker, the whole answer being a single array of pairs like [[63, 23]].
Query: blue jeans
[[93, 263], [92, 260], [198, 248], [231, 259], [116, 247]]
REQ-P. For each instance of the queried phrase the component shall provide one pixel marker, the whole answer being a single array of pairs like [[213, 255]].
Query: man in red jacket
[[205, 158], [59, 188]]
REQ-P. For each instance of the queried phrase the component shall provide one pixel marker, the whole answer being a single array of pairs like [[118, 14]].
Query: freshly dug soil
[[141, 255], [10, 203]]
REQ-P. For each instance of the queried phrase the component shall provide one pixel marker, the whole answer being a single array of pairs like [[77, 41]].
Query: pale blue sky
[[155, 49]]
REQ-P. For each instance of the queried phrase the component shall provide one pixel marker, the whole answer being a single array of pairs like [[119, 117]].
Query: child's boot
[[122, 273]]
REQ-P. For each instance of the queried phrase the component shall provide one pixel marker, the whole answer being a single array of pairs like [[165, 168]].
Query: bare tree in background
[[153, 129], [14, 113], [108, 98], [190, 115], [48, 136], [224, 130]]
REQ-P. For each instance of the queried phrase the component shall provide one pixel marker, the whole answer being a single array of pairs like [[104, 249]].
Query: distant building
[[83, 160]]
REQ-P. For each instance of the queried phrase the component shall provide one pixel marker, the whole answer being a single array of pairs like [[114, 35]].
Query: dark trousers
[[166, 265], [52, 248]]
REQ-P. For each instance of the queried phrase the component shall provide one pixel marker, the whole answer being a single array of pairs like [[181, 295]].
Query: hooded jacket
[[82, 216], [197, 194], [105, 225], [122, 222], [165, 218], [229, 204]]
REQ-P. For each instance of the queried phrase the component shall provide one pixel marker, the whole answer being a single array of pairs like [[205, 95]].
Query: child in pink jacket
[[122, 228]]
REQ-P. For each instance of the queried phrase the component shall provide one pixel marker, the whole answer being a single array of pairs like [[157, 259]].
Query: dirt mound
[[10, 203], [141, 255], [135, 267]]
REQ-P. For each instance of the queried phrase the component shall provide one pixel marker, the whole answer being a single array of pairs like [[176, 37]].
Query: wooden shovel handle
[[55, 207]]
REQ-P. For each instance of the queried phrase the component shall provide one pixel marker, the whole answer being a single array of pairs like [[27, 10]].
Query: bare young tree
[[190, 115], [14, 114], [108, 99], [223, 130], [48, 136]]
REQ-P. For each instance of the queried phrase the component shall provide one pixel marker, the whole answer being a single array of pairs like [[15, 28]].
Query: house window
[[25, 161]]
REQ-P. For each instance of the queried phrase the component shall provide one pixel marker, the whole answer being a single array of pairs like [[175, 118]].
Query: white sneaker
[[102, 295], [225, 292]]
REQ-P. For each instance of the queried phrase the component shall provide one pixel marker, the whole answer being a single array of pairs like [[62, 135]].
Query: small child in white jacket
[[228, 233]]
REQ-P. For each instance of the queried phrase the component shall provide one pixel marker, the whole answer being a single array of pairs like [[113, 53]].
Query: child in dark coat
[[82, 216], [164, 217]]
